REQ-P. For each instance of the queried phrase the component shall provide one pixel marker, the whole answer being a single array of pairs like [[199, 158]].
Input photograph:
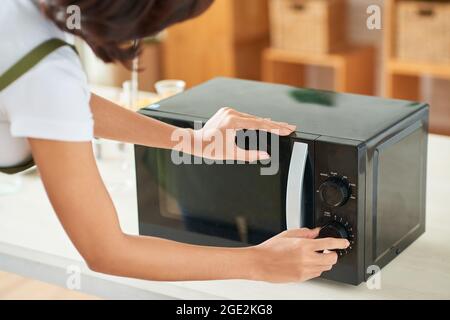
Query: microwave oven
[[356, 166]]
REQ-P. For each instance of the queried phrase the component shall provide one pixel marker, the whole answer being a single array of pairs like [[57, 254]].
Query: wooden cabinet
[[353, 69], [227, 40], [403, 78]]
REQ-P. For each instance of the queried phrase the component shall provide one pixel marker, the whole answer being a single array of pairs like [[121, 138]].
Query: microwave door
[[213, 204], [295, 215]]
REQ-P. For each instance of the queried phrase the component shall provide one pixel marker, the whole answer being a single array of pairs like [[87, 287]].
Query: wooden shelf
[[403, 78], [405, 68], [419, 69], [353, 69], [329, 60]]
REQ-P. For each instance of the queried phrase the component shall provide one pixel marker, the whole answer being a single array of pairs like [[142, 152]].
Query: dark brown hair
[[111, 27]]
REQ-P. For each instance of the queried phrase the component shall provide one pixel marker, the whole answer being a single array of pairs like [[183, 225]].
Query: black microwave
[[356, 166]]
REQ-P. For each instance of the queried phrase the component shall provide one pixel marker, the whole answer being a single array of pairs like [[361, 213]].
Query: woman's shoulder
[[30, 29], [23, 27]]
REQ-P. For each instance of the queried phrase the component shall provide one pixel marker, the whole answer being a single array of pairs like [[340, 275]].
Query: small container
[[308, 26], [423, 31], [168, 88]]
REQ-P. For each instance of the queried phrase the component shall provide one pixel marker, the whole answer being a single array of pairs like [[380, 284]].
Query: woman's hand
[[224, 126], [295, 256], [116, 123]]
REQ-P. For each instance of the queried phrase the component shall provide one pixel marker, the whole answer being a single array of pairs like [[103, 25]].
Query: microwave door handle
[[294, 190]]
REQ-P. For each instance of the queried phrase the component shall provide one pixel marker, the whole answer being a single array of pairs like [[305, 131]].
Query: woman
[[49, 113]]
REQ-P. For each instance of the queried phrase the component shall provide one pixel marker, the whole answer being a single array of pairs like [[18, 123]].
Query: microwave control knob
[[334, 192], [333, 229], [337, 230]]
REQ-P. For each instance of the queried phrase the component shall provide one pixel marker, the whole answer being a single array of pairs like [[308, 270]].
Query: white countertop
[[33, 244]]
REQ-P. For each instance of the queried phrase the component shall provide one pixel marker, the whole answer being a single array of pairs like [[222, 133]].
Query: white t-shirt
[[51, 101]]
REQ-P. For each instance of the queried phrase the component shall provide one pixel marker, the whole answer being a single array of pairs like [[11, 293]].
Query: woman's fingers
[[283, 124], [283, 129], [254, 120], [246, 115], [330, 244], [326, 259], [313, 233], [231, 111], [302, 233]]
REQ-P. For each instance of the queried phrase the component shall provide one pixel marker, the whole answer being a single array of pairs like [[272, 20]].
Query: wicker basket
[[308, 26], [423, 31]]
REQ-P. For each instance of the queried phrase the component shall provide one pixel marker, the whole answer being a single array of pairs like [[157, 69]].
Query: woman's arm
[[81, 201], [117, 123]]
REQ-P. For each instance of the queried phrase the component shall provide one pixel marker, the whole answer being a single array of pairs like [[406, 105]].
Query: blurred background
[[327, 44]]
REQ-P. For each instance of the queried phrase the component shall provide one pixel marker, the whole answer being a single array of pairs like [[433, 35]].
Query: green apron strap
[[19, 168], [19, 69], [30, 60]]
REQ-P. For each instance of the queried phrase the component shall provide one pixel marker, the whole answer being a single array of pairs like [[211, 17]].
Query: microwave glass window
[[231, 201]]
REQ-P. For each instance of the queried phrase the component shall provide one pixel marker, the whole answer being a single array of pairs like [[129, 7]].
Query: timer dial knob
[[333, 229], [334, 192]]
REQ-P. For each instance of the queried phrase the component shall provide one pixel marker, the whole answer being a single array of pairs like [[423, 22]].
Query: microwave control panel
[[336, 176]]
